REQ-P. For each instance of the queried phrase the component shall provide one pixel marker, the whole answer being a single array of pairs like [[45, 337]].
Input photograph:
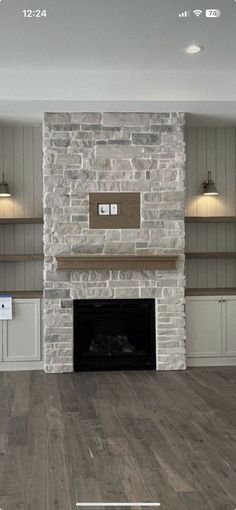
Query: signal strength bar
[[184, 14]]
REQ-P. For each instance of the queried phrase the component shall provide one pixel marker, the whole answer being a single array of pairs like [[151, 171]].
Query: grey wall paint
[[211, 149], [21, 160]]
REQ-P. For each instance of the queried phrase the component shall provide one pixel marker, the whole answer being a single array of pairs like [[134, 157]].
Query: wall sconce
[[209, 187], [4, 189]]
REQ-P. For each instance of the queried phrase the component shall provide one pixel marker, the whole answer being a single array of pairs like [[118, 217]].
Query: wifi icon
[[197, 12]]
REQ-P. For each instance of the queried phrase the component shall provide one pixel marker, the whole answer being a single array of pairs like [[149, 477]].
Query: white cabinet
[[20, 338], [211, 330], [229, 326]]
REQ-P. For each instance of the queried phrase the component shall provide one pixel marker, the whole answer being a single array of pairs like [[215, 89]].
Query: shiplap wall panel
[[230, 172], [200, 145], [38, 181], [211, 149], [18, 189], [8, 162], [2, 266], [21, 160], [221, 169]]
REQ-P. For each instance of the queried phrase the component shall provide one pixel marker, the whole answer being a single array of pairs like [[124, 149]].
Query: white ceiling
[[114, 55], [115, 35]]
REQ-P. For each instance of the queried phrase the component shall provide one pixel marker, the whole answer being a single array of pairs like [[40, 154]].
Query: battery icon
[[213, 13]]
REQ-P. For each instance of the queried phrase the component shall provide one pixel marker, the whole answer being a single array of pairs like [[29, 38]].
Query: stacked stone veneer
[[89, 152]]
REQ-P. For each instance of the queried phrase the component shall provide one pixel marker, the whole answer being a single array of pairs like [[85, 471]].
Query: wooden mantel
[[116, 262]]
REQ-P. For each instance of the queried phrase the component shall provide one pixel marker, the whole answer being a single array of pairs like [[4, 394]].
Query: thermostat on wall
[[107, 209], [114, 209], [103, 209], [5, 308]]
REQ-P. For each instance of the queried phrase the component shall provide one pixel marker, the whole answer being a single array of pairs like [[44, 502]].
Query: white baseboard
[[21, 365], [223, 361]]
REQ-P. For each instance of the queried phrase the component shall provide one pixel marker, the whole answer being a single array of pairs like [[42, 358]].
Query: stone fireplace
[[92, 153]]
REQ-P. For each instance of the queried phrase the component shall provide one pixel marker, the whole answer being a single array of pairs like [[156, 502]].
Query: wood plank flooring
[[167, 437]]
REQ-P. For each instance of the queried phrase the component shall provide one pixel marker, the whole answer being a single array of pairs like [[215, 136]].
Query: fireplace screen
[[114, 334]]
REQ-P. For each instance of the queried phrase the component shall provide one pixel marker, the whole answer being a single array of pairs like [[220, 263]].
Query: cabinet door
[[21, 335], [203, 326], [229, 326]]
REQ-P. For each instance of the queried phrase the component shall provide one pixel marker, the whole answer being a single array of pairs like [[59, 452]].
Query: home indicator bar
[[119, 504]]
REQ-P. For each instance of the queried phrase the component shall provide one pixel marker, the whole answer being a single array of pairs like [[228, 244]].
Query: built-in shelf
[[21, 294], [21, 221], [211, 292], [116, 262], [210, 219], [211, 255], [21, 258]]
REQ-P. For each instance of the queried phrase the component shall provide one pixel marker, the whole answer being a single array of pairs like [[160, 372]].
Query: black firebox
[[114, 334]]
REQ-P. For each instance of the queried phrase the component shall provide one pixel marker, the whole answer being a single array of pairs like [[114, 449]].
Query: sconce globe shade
[[4, 188], [209, 187]]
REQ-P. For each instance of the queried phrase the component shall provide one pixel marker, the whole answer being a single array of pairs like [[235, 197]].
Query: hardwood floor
[[167, 437]]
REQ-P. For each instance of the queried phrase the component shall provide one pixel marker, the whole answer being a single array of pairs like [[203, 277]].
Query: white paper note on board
[[5, 308]]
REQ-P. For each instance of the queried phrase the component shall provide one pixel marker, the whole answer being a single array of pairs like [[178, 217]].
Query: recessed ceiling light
[[193, 49]]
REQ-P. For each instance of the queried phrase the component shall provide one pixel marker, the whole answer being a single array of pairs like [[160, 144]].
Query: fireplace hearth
[[114, 334]]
